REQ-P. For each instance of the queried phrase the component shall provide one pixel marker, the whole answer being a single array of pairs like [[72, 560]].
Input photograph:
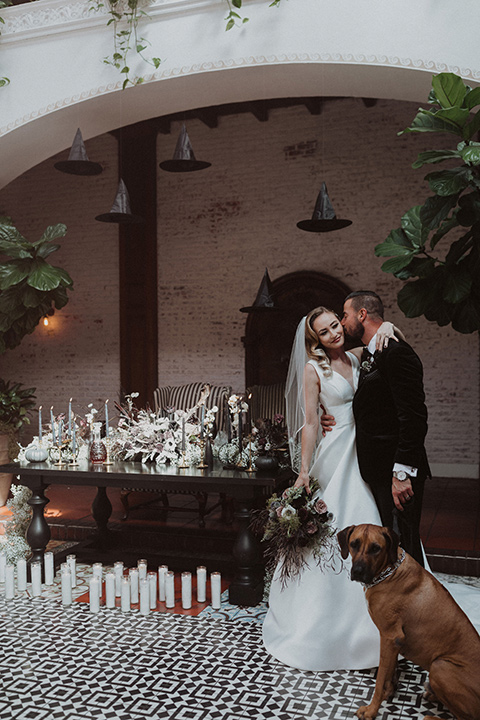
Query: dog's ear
[[392, 544], [343, 537]]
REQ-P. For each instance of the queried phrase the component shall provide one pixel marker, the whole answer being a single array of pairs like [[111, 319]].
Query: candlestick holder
[[107, 460], [249, 469], [183, 464], [239, 464], [202, 465], [59, 462]]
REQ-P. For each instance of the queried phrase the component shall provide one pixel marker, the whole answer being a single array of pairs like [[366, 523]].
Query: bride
[[319, 620]]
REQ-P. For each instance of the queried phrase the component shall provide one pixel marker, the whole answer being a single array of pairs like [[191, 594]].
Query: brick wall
[[217, 231]]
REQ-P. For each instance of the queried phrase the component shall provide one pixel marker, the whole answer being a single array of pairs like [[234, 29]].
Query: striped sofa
[[267, 401], [184, 397]]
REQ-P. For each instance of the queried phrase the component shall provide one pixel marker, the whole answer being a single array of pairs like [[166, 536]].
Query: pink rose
[[321, 507], [279, 512]]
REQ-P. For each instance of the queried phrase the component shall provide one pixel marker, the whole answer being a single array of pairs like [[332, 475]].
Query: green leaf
[[156, 62], [466, 318], [141, 48], [60, 297], [471, 154], [472, 98], [459, 248], [449, 89], [31, 298], [230, 25], [13, 272], [414, 298], [455, 115], [16, 250], [43, 276], [46, 249], [53, 232], [435, 209], [458, 283], [449, 182], [125, 70], [65, 278], [10, 234], [397, 263], [245, 20], [420, 267], [443, 230], [427, 121], [237, 3], [396, 244], [472, 127], [434, 156], [413, 227]]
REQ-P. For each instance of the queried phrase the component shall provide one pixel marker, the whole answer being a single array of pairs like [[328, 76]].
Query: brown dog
[[417, 618]]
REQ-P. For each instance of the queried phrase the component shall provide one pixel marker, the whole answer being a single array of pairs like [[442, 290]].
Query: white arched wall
[[52, 53]]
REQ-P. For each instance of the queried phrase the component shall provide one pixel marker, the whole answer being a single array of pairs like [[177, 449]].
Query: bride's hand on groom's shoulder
[[385, 333]]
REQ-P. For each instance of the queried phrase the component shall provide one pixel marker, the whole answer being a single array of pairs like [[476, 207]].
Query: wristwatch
[[401, 475]]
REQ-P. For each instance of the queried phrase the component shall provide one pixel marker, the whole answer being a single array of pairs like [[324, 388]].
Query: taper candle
[[97, 570], [118, 570], [66, 580], [202, 421], [52, 421], [183, 435], [162, 571], [93, 596], [216, 590], [110, 590], [70, 417], [106, 419], [72, 564], [186, 590], [60, 431], [3, 563], [74, 441], [152, 588], [170, 589], [144, 597], [201, 583], [36, 573], [125, 602], [40, 424], [9, 581], [21, 574], [49, 568], [133, 573]]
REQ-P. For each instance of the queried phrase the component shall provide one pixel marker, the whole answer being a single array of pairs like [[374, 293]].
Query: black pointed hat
[[324, 218], [184, 157], [78, 162], [264, 299], [120, 212]]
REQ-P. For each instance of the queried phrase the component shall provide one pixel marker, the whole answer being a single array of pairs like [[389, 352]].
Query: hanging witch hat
[[264, 299], [324, 218], [78, 162], [120, 212], [183, 157]]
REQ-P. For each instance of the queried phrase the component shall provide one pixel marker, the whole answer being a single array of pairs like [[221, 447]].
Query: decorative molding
[[250, 61]]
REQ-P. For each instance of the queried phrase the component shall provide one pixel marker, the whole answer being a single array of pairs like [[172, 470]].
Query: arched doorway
[[269, 335]]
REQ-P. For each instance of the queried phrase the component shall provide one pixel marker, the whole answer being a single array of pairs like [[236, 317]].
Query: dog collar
[[385, 573]]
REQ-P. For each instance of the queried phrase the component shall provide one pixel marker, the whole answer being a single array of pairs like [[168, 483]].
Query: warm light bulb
[[45, 321]]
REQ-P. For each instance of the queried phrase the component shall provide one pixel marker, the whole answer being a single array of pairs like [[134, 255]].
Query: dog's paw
[[365, 713]]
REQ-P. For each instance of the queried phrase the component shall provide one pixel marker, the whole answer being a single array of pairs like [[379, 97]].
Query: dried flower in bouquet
[[297, 528]]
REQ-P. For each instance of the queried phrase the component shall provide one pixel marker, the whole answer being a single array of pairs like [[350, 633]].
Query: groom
[[391, 421]]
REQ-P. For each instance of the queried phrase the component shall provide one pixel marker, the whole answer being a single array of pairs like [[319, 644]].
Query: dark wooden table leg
[[38, 533], [247, 586], [101, 511]]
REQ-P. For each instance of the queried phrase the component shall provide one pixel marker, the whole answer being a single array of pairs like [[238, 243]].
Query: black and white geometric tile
[[70, 664]]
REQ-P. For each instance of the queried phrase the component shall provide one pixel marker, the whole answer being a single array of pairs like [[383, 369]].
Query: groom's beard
[[355, 330]]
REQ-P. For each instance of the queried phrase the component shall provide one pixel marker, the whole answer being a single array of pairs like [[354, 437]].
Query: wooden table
[[245, 488]]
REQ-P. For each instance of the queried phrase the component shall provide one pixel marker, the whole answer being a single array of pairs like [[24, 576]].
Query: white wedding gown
[[320, 621]]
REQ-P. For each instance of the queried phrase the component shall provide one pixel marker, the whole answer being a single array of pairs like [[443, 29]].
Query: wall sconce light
[[46, 316]]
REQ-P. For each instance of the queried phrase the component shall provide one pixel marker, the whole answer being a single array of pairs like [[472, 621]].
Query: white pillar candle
[[142, 569], [66, 587], [125, 603], [49, 568], [118, 570], [72, 563], [144, 597], [110, 590], [152, 588], [162, 571], [36, 573], [98, 572], [9, 581], [21, 574], [201, 583], [186, 590], [94, 597], [3, 563], [216, 589], [133, 573], [170, 589]]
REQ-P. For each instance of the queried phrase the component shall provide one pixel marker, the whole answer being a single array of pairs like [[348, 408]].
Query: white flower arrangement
[[13, 543]]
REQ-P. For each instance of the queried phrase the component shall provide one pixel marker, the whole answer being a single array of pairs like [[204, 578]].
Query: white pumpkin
[[36, 454]]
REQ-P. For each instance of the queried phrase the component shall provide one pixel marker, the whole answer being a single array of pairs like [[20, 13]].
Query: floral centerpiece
[[270, 439], [13, 543], [298, 528]]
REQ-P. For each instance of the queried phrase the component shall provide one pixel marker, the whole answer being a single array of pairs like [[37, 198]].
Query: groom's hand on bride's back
[[326, 421]]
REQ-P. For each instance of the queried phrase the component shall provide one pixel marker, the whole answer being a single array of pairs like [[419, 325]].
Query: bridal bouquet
[[297, 527]]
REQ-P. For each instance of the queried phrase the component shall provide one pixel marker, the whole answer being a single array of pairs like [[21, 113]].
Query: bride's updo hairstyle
[[313, 346]]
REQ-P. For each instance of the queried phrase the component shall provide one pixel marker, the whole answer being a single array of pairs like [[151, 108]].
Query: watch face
[[401, 475]]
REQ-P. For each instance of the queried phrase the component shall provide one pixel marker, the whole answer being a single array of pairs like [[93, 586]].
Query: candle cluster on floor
[[135, 588]]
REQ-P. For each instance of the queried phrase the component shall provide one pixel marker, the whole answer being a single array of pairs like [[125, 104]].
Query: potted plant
[[15, 403]]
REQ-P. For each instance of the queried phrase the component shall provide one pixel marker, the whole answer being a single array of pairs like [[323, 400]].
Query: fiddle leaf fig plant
[[447, 285], [29, 284]]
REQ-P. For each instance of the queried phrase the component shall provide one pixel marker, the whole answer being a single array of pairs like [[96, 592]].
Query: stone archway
[[269, 335]]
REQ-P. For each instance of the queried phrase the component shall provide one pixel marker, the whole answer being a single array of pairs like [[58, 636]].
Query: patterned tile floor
[[69, 664]]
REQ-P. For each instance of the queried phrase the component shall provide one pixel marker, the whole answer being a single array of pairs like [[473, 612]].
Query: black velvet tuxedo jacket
[[390, 414]]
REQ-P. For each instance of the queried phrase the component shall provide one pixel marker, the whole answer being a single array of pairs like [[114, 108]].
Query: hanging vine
[[125, 16]]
